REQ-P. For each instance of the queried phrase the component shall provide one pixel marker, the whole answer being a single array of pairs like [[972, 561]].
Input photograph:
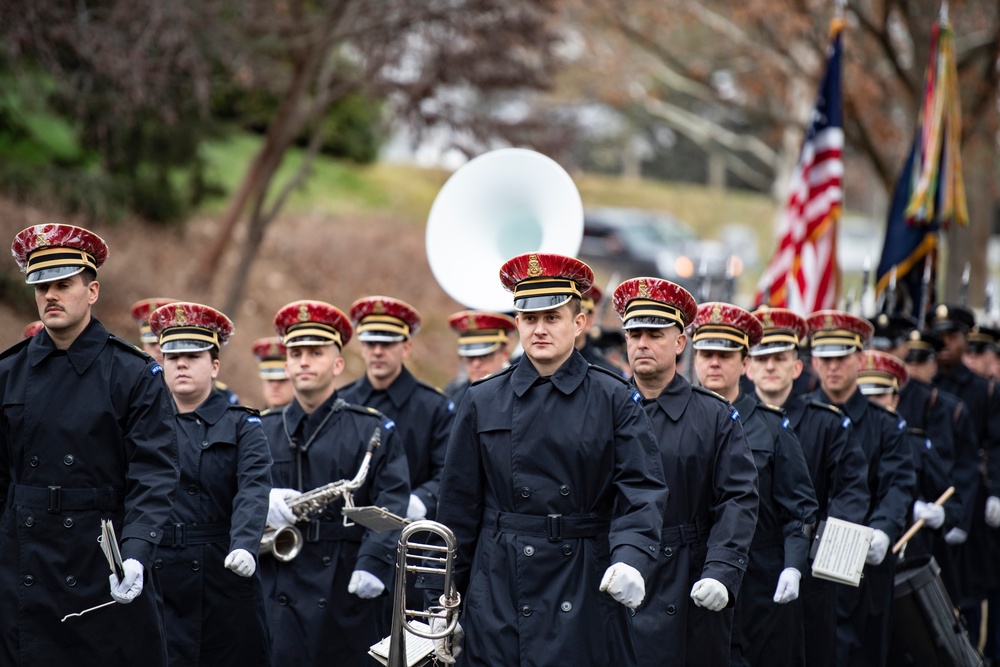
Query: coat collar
[[82, 353], [855, 407], [398, 391], [566, 379], [745, 404], [962, 375], [675, 397], [212, 408]]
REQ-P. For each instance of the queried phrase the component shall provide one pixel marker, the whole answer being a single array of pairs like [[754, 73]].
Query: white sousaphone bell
[[501, 204]]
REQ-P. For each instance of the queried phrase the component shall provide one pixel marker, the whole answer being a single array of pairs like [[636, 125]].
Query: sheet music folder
[[418, 649], [109, 545], [840, 550]]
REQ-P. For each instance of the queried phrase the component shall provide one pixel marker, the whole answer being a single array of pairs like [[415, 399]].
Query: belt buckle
[[312, 531], [555, 525], [179, 536], [55, 500]]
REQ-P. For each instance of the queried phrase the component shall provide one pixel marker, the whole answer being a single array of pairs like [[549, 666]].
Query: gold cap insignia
[[534, 266], [470, 321], [716, 317], [41, 240], [379, 307], [767, 321], [303, 313], [179, 317], [869, 362], [828, 322], [643, 288]]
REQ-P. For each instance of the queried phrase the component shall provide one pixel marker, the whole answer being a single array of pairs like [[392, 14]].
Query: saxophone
[[286, 543]]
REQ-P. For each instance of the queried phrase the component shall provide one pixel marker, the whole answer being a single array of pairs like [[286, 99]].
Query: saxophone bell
[[284, 543]]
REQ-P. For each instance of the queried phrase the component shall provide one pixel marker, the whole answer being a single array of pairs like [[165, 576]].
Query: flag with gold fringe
[[930, 193]]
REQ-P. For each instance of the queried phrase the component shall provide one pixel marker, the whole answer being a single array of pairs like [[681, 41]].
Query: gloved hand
[[448, 648], [993, 512], [130, 586], [933, 515], [365, 585], [788, 585], [241, 562], [710, 594], [279, 514], [877, 548], [417, 509], [624, 583], [956, 536]]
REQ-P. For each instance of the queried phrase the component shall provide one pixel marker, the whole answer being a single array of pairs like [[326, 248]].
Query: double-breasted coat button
[[68, 522], [566, 606], [567, 550], [327, 560], [529, 550], [671, 609], [29, 522], [525, 492], [741, 561], [28, 580], [33, 462], [71, 580], [564, 490], [69, 459], [158, 564], [283, 600], [195, 566], [322, 603], [525, 610], [668, 552], [192, 489]]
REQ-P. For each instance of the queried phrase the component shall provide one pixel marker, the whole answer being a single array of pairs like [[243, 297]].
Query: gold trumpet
[[286, 543], [428, 559]]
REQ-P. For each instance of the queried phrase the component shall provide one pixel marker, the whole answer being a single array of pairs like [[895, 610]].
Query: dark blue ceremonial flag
[[907, 245]]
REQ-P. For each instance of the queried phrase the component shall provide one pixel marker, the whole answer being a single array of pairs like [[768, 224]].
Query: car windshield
[[650, 233]]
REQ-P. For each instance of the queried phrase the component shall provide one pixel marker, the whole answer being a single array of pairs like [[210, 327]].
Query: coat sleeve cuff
[[139, 549], [639, 559], [377, 566]]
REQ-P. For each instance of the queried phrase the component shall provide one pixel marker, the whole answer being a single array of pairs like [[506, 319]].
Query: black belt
[[555, 527], [685, 533], [178, 535], [55, 499]]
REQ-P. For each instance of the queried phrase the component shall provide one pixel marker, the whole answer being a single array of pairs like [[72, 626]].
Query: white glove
[[710, 594], [417, 510], [933, 515], [448, 648], [241, 562], [131, 584], [279, 514], [877, 548], [365, 585], [624, 583], [788, 585], [993, 512], [956, 536]]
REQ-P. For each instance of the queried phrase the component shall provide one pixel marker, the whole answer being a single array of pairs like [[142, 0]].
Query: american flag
[[803, 274]]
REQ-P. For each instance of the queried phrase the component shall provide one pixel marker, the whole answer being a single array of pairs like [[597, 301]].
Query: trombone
[[422, 558]]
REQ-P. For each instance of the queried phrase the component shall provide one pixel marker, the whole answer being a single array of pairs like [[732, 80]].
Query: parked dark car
[[630, 243]]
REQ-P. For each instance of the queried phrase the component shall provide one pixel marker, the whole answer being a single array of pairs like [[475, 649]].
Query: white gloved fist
[[877, 548], [788, 585], [447, 648], [279, 514], [710, 594], [993, 512], [624, 583], [365, 585], [130, 586], [241, 562], [933, 515], [956, 536], [417, 509]]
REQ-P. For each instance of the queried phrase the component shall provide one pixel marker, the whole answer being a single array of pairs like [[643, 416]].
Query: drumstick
[[920, 522]]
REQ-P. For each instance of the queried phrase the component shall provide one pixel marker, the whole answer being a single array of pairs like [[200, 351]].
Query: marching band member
[[836, 464], [767, 623], [863, 613], [422, 414], [552, 487], [86, 433], [709, 520], [140, 311], [274, 381], [321, 606], [207, 558], [483, 346]]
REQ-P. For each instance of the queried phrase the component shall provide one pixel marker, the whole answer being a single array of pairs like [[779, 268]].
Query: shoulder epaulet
[[428, 385], [891, 414], [608, 372], [14, 348], [826, 406], [272, 412], [913, 430], [499, 373], [709, 392], [138, 351], [221, 385], [370, 412], [771, 408], [252, 414]]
